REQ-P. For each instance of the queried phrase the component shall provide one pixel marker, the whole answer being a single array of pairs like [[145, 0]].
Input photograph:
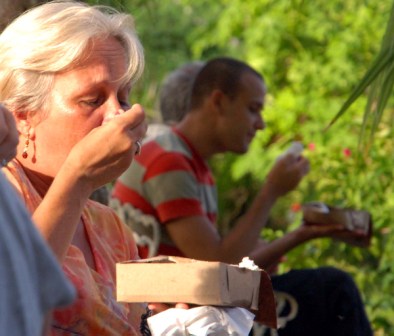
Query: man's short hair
[[221, 73]]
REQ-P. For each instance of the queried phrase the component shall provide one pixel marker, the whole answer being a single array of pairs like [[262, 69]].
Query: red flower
[[347, 152], [311, 146]]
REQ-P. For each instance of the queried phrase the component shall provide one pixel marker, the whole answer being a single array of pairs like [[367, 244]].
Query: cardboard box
[[174, 279], [317, 213]]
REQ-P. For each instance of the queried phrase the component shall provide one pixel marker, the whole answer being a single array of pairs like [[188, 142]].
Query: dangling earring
[[26, 148]]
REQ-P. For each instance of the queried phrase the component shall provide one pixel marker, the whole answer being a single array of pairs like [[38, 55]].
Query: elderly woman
[[66, 72]]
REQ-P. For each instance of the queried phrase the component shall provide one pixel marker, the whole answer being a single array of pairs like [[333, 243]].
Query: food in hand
[[295, 149]]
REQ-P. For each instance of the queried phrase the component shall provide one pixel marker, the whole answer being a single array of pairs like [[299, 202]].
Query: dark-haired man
[[172, 181]]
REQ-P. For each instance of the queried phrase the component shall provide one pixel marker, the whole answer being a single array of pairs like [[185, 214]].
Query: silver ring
[[138, 151], [3, 162]]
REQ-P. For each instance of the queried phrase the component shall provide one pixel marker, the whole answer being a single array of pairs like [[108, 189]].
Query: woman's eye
[[92, 102]]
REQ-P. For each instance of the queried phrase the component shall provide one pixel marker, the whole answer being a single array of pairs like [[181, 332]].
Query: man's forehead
[[253, 85]]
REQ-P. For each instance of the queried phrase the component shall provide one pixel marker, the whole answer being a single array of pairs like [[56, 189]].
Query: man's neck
[[199, 135]]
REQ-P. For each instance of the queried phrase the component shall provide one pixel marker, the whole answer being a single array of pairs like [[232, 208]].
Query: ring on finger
[[138, 150]]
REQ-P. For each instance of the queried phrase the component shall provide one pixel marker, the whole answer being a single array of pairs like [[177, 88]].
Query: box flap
[[266, 312]]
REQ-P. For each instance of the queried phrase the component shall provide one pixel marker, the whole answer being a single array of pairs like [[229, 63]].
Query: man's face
[[242, 115], [80, 101]]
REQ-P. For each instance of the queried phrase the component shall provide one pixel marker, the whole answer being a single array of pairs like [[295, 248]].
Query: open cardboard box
[[317, 213], [175, 279]]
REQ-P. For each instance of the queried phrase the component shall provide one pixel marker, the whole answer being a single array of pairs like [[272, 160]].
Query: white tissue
[[319, 207], [202, 321], [295, 149], [249, 264]]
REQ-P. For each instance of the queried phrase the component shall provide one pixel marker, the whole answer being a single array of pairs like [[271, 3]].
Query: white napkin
[[202, 321]]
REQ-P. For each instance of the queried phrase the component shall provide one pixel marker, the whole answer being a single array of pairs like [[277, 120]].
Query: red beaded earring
[[26, 148]]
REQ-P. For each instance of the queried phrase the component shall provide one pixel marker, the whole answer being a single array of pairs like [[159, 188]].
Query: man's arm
[[198, 238]]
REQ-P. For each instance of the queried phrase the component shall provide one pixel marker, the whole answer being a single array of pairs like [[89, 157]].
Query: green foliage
[[312, 54], [380, 79]]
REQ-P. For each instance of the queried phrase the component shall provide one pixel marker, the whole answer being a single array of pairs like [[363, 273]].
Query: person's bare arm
[[96, 160], [197, 238], [266, 254], [284, 177]]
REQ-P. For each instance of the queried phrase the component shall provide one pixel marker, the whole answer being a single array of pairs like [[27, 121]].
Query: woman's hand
[[108, 150], [99, 158], [8, 136]]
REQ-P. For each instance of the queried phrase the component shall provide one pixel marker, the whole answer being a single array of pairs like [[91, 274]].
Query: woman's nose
[[112, 109]]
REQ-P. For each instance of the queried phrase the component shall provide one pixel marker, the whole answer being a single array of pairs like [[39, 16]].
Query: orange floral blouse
[[95, 311]]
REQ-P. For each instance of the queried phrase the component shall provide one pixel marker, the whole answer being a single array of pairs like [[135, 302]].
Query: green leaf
[[382, 61]]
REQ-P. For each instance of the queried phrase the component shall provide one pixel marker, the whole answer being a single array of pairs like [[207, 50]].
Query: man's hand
[[334, 231], [286, 174]]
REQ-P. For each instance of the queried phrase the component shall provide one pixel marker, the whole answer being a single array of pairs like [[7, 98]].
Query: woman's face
[[81, 100]]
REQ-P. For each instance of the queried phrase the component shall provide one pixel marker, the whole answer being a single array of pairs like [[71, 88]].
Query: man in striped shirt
[[172, 182]]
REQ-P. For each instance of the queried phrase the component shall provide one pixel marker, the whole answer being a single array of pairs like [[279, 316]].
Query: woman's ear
[[23, 124]]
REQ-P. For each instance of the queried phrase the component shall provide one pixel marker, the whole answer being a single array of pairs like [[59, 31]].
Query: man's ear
[[218, 100]]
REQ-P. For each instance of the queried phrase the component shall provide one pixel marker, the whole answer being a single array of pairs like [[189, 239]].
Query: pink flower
[[347, 152], [311, 146]]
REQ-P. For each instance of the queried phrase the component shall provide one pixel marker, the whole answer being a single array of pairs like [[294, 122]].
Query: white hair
[[175, 91], [54, 37]]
